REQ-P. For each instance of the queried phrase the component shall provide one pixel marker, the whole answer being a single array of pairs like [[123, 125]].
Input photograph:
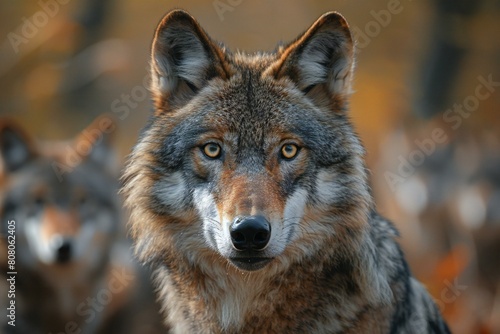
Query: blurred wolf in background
[[73, 275], [249, 194]]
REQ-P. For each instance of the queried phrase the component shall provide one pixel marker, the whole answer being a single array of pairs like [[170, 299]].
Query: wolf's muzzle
[[250, 233]]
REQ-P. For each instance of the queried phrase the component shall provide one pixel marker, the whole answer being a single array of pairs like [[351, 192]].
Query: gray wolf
[[72, 273], [249, 197]]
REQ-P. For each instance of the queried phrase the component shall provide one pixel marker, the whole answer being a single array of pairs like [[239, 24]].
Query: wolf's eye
[[289, 151], [82, 200], [39, 201], [211, 150]]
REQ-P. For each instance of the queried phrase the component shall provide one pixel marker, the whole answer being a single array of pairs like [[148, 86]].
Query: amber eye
[[212, 150], [289, 151]]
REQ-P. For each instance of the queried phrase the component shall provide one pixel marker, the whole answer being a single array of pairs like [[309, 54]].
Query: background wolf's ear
[[321, 60], [184, 58], [16, 147], [95, 142]]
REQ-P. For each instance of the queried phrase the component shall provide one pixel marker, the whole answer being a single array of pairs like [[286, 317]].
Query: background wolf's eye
[[212, 150], [289, 151], [39, 201]]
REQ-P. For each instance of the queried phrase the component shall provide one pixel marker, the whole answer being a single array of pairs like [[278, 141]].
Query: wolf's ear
[[184, 59], [95, 142], [320, 61], [16, 147]]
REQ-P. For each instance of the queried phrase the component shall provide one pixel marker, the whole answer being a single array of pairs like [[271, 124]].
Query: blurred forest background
[[426, 105]]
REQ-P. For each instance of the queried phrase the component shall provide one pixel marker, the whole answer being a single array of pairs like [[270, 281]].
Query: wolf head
[[61, 196], [248, 159]]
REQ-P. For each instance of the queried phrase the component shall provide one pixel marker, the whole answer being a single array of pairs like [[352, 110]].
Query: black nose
[[64, 252], [250, 233]]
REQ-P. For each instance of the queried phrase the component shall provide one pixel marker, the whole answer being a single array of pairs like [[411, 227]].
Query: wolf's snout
[[64, 252], [249, 233]]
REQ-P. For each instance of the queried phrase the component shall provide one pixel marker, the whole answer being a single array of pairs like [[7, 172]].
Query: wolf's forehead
[[234, 111], [249, 110]]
